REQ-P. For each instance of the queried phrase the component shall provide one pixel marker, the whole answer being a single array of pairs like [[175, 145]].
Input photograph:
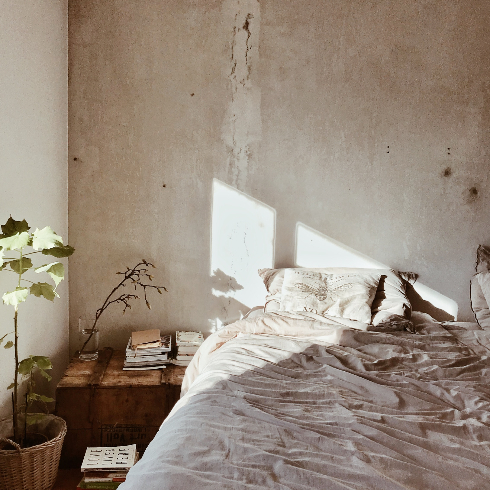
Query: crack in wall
[[246, 28], [243, 121]]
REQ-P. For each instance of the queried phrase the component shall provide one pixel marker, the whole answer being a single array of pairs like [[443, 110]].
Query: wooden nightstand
[[106, 406]]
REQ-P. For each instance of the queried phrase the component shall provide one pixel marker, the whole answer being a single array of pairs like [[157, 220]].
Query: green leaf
[[33, 418], [15, 297], [44, 374], [56, 270], [46, 399], [59, 251], [26, 366], [8, 345], [21, 265], [45, 239], [15, 242], [10, 386], [42, 362], [11, 227], [43, 289], [33, 397]]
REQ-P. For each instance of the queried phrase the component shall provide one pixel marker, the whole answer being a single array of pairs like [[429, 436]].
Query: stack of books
[[106, 467], [187, 345], [147, 349]]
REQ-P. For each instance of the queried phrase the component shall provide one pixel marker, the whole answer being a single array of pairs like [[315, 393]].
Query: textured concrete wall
[[33, 156], [366, 122]]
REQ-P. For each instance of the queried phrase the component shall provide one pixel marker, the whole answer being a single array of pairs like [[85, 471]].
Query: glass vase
[[88, 339]]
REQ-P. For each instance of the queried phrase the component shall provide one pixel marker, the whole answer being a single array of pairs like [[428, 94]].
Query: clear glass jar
[[88, 339]]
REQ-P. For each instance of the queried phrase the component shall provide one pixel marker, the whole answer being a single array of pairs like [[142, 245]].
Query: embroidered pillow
[[341, 295], [480, 298], [390, 302]]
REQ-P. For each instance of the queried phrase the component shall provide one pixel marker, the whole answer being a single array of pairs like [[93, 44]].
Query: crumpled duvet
[[294, 401]]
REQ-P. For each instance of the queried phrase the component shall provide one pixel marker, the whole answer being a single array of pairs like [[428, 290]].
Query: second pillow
[[341, 295]]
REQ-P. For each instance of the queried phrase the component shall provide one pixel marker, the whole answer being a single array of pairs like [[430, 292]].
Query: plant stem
[[25, 421], [104, 306], [16, 376]]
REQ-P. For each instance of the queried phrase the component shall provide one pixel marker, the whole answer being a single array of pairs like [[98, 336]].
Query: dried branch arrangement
[[138, 278]]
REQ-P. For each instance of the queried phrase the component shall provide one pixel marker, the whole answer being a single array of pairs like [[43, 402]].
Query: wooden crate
[[106, 406]]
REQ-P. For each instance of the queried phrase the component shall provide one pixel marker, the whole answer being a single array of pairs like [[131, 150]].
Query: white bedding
[[295, 401]]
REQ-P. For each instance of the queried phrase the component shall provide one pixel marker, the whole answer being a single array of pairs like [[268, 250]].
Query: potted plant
[[21, 458]]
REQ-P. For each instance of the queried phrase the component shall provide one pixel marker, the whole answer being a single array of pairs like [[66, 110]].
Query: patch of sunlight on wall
[[242, 241], [314, 249]]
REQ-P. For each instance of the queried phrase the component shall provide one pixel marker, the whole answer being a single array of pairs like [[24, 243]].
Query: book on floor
[[103, 485], [119, 458], [103, 476]]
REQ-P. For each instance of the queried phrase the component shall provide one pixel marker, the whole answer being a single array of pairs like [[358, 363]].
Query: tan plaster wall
[[365, 121], [33, 156]]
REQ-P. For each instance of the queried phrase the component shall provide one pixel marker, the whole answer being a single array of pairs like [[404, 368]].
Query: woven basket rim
[[38, 447]]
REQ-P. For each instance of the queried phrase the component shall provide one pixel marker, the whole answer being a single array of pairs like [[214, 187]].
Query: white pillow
[[341, 295], [390, 302], [480, 298]]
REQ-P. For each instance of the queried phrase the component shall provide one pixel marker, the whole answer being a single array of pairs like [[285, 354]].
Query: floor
[[67, 479]]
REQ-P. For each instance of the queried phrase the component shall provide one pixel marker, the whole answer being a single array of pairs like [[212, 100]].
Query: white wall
[[365, 122], [33, 163]]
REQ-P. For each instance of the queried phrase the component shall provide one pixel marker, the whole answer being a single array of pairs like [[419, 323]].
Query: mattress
[[292, 401]]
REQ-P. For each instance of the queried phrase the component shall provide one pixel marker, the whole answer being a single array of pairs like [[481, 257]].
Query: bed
[[316, 399]]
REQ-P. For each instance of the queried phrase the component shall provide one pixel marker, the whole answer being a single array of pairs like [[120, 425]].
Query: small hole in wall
[[471, 195], [164, 185], [75, 159], [192, 95], [447, 172]]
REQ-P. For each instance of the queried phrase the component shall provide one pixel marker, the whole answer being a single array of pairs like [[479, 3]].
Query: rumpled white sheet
[[286, 401]]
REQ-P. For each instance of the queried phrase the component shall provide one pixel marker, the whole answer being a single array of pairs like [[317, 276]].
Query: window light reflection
[[242, 241], [314, 249]]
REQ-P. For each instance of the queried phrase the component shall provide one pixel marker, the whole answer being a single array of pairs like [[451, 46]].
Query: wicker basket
[[36, 467]]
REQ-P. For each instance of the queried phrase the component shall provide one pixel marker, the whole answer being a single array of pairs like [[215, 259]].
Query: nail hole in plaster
[[447, 172], [192, 95], [75, 159], [472, 194], [164, 185]]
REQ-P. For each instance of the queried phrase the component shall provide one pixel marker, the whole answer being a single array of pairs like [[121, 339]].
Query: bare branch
[[135, 276]]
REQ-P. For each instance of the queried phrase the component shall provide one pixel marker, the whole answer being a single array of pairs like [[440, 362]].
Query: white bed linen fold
[[289, 401]]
